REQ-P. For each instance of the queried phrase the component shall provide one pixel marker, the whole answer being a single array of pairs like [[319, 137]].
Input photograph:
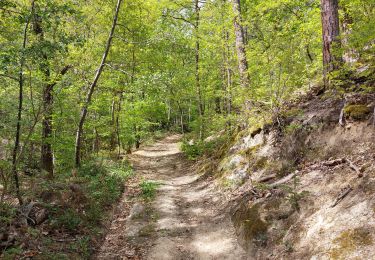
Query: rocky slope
[[304, 187]]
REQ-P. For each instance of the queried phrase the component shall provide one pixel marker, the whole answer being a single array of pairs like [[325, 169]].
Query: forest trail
[[183, 220]]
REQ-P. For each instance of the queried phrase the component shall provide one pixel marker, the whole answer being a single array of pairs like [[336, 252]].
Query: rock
[[41, 216], [252, 142], [240, 174], [235, 161]]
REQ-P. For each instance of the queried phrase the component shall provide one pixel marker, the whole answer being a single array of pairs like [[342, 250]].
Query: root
[[342, 118], [283, 180], [344, 193]]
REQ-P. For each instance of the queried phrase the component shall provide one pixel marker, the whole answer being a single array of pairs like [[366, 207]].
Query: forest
[[97, 97]]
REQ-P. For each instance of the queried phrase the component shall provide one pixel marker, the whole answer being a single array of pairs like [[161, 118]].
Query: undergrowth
[[76, 206], [148, 189], [194, 150]]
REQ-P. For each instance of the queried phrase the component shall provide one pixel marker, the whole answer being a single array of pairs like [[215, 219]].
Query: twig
[[354, 168], [342, 196]]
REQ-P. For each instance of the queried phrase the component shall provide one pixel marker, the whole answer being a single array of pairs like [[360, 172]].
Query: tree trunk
[[228, 73], [240, 44], [19, 115], [113, 124], [92, 88], [118, 125], [330, 33], [197, 74], [47, 153], [46, 147]]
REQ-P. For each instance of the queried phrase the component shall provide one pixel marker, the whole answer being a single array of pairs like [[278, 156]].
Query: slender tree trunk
[[240, 44], [113, 123], [20, 107], [92, 88], [46, 151], [118, 125], [197, 71], [330, 33], [181, 117]]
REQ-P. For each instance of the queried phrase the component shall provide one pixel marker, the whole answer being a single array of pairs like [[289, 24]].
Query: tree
[[92, 88], [240, 44], [20, 107], [331, 34]]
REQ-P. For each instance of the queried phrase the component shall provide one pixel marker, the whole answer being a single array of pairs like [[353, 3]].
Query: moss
[[349, 241], [260, 163], [147, 230], [253, 228], [357, 112], [293, 112]]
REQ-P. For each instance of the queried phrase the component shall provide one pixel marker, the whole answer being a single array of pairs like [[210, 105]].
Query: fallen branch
[[267, 178], [334, 162], [342, 196], [354, 168], [283, 180], [342, 161]]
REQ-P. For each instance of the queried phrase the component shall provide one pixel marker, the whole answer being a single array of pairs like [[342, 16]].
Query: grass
[[149, 189]]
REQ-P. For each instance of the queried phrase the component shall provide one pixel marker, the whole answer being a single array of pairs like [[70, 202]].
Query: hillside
[[304, 189]]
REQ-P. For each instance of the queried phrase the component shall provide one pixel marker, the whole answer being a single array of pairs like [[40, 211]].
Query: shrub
[[68, 219]]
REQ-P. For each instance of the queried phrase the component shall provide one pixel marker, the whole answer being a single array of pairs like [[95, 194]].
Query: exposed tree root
[[343, 194], [283, 180]]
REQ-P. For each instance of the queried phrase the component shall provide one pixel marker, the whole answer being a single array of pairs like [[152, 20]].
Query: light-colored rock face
[[272, 228], [252, 142], [239, 174], [235, 161]]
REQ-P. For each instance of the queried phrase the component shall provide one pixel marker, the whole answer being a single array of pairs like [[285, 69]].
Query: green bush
[[7, 213], [194, 151], [68, 219]]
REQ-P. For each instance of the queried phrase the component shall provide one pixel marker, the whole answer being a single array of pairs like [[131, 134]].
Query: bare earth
[[182, 222]]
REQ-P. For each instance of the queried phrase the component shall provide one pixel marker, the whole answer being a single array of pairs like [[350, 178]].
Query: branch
[[180, 18], [344, 193], [9, 76], [62, 73], [283, 180]]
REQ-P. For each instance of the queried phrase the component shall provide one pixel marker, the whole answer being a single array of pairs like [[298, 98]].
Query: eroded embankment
[[304, 189]]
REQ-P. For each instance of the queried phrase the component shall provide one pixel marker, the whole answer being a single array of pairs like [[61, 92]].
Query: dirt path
[[182, 222]]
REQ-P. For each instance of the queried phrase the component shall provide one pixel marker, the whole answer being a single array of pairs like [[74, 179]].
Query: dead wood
[[354, 168], [283, 180], [267, 178], [342, 161], [334, 162], [343, 194]]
